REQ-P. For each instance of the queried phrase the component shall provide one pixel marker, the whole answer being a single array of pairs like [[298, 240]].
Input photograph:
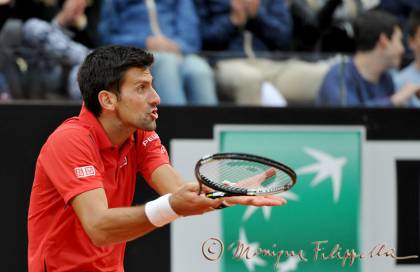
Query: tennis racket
[[238, 174]]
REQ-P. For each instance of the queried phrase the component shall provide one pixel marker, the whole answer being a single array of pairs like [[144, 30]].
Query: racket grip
[[215, 194]]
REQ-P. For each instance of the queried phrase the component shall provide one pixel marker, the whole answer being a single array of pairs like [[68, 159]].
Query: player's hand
[[186, 201], [253, 182], [268, 200]]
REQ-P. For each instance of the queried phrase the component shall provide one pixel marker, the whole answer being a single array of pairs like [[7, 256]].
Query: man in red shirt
[[80, 213]]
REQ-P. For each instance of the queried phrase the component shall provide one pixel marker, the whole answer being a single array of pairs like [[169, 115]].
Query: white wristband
[[159, 211]]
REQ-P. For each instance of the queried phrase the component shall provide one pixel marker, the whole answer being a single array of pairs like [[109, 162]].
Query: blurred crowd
[[211, 52]]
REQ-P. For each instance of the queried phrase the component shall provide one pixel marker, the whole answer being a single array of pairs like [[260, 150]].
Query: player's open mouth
[[154, 114]]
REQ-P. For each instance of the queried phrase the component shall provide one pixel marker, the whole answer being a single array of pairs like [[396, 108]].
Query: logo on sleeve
[[150, 139], [85, 171]]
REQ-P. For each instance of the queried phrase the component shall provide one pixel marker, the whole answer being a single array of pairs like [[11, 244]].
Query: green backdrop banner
[[320, 223]]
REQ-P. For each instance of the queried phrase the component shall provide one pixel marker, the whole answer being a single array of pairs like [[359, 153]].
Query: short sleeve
[[151, 153], [71, 161]]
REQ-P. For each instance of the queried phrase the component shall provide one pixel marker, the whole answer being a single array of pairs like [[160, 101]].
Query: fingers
[[270, 172], [269, 201], [212, 204], [189, 203], [228, 183], [207, 190], [185, 201], [256, 200]]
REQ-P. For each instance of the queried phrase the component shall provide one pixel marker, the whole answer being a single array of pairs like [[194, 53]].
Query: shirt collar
[[103, 140]]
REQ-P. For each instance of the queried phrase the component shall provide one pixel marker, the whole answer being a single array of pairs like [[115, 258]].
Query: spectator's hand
[[405, 93], [185, 201], [161, 43], [252, 7], [5, 2], [238, 14], [71, 12], [4, 97]]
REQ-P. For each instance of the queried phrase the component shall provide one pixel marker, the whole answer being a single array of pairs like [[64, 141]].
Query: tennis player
[[80, 213]]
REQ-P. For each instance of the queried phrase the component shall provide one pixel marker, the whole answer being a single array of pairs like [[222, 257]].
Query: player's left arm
[[165, 179]]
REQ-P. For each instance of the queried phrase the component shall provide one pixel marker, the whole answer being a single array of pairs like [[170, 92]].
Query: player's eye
[[140, 88]]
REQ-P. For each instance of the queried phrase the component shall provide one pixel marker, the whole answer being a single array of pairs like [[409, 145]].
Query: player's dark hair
[[370, 25], [104, 69]]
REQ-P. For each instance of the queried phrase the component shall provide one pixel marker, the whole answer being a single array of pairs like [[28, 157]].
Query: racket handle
[[216, 194]]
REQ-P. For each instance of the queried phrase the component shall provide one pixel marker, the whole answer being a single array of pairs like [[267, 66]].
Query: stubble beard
[[147, 125]]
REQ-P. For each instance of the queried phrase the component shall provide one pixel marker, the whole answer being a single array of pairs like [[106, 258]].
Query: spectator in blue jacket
[[170, 29], [365, 80], [242, 28], [411, 73], [223, 21]]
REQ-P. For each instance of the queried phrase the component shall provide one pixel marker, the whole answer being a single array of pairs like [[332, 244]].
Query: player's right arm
[[106, 226], [73, 165]]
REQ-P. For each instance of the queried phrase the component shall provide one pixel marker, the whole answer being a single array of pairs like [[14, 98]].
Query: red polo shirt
[[77, 157]]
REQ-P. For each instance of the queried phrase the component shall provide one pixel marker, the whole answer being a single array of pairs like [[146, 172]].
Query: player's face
[[138, 100], [395, 49], [415, 43]]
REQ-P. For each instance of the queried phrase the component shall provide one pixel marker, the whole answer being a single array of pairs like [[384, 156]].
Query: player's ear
[[107, 100]]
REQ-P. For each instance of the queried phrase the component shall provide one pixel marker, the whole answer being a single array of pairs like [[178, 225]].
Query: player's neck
[[117, 133]]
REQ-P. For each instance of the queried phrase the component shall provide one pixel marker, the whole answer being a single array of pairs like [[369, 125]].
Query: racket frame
[[224, 190]]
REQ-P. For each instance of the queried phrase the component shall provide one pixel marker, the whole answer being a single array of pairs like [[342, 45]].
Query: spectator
[[4, 89], [77, 17], [364, 80], [326, 25], [44, 45], [170, 29], [241, 28], [401, 9], [54, 51], [411, 73], [5, 6]]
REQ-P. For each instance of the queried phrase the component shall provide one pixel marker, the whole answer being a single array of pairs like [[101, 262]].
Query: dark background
[[408, 195], [25, 127]]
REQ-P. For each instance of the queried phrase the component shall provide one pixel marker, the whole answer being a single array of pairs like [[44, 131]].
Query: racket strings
[[245, 174]]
